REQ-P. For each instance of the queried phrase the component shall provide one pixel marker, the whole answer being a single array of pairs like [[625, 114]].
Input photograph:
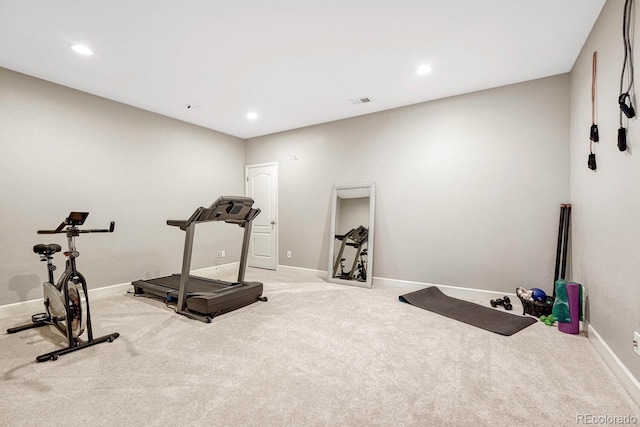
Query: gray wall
[[606, 203], [64, 150], [468, 188]]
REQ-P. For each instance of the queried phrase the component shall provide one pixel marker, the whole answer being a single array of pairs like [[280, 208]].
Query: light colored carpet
[[315, 354]]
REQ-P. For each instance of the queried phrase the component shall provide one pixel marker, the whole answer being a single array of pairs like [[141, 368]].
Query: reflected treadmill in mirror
[[356, 238], [351, 234]]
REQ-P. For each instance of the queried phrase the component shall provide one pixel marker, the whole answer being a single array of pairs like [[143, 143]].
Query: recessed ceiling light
[[423, 70], [82, 49], [252, 115]]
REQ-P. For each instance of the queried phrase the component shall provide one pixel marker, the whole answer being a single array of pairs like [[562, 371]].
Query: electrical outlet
[[224, 253], [288, 254], [218, 254], [636, 342]]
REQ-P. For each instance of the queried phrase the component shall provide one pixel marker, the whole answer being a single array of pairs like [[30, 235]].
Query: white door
[[261, 184]]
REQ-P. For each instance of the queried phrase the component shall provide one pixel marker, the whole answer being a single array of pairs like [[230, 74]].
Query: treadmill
[[356, 237], [202, 298]]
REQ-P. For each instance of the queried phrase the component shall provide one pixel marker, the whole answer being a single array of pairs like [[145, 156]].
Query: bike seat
[[49, 249]]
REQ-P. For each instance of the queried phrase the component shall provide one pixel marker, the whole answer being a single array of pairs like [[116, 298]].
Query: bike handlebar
[[112, 227], [73, 230]]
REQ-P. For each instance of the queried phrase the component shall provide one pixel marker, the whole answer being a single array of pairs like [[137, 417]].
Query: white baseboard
[[217, 268], [407, 285], [304, 271], [627, 379], [469, 294], [27, 308]]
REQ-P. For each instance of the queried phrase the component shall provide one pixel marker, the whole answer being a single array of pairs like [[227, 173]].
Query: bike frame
[[71, 274]]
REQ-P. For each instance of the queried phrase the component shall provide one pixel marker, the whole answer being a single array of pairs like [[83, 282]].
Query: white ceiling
[[293, 62]]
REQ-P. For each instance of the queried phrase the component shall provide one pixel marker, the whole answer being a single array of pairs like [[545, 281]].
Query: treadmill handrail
[[183, 224]]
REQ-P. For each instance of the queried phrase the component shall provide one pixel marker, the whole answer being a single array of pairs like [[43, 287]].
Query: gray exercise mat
[[500, 322]]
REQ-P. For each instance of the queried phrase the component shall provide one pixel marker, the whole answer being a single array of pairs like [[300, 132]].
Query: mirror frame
[[371, 188]]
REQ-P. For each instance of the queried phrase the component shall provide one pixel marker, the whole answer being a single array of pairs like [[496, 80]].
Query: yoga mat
[[489, 319], [573, 296]]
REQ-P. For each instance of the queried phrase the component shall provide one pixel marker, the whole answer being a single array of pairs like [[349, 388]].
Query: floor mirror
[[351, 234]]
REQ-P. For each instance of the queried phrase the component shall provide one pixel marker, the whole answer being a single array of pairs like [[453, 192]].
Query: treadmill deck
[[205, 296]]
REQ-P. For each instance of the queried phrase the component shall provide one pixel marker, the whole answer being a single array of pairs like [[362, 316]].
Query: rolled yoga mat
[[573, 297]]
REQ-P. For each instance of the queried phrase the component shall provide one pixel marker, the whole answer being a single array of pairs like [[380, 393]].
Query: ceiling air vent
[[357, 101]]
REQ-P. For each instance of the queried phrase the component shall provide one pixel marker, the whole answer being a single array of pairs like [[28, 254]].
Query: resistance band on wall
[[624, 100], [593, 133]]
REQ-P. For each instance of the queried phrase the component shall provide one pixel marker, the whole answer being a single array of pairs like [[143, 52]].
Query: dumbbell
[[548, 320], [505, 301]]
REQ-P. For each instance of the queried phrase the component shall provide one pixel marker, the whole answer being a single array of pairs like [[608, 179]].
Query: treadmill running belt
[[206, 296]]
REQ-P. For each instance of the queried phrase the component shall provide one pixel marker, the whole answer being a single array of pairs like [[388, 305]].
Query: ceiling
[[294, 63]]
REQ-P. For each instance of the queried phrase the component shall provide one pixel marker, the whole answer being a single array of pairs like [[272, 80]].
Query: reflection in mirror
[[351, 234], [356, 238]]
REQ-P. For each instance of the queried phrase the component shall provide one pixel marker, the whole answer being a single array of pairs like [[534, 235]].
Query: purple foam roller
[[573, 296]]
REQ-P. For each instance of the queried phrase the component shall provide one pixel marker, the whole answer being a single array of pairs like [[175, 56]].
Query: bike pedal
[[40, 317]]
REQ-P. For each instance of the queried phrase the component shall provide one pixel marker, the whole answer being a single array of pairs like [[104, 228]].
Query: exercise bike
[[67, 302], [362, 266]]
